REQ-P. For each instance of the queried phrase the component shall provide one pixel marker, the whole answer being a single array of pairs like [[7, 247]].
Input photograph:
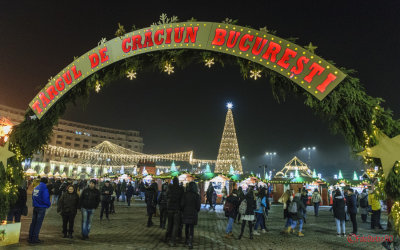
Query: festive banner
[[301, 66]]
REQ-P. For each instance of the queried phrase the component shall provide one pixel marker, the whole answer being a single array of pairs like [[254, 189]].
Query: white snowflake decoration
[[102, 41], [131, 74], [50, 79], [228, 21], [169, 68], [164, 20], [264, 29], [97, 87], [255, 74], [209, 62]]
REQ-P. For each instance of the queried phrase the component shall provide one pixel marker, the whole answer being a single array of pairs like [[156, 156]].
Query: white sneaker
[[256, 233], [263, 231]]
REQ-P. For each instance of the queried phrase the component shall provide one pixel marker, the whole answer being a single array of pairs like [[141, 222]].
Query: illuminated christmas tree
[[173, 167], [266, 176], [208, 169], [314, 174], [228, 154], [144, 172], [340, 175], [296, 174], [355, 177], [231, 170]]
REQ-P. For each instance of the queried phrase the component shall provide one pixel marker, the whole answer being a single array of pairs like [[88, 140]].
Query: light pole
[[270, 154], [309, 149]]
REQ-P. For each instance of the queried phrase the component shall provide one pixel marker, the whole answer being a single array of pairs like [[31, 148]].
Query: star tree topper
[[5, 154], [388, 150]]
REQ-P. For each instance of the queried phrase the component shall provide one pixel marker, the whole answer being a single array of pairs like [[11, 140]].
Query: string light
[[131, 74], [255, 74], [168, 68], [209, 62], [97, 87]]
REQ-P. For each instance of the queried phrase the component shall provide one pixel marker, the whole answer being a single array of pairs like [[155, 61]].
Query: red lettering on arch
[[103, 57], [192, 33], [232, 39], [60, 84], [283, 62], [219, 37], [179, 34], [148, 41], [157, 37], [273, 50], [136, 42], [67, 77], [125, 46], [257, 48], [300, 65], [315, 69], [36, 106], [77, 74], [243, 40], [330, 78], [44, 99], [168, 39], [94, 60]]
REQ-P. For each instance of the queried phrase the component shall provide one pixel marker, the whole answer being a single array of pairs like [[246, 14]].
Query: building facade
[[75, 135]]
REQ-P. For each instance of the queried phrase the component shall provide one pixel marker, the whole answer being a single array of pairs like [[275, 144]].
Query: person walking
[[190, 206], [231, 209], [339, 213], [246, 208], [174, 195], [41, 201], [142, 190], [363, 201], [118, 190], [224, 194], [123, 190], [304, 199], [241, 198], [106, 192], [67, 207], [285, 199], [316, 199], [57, 192], [375, 204], [129, 193], [18, 207], [351, 202], [89, 202], [151, 202], [296, 212], [261, 203], [209, 195], [162, 204]]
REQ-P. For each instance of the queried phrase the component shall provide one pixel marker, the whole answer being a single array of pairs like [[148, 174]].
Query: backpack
[[228, 207], [364, 202], [292, 207], [316, 198], [243, 207]]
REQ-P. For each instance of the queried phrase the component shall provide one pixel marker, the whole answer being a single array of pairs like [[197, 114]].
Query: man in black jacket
[[106, 192], [89, 202], [174, 195]]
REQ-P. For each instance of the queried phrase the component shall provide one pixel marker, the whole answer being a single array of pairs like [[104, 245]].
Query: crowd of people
[[179, 205]]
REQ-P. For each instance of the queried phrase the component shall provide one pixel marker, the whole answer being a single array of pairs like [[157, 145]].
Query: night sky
[[186, 111]]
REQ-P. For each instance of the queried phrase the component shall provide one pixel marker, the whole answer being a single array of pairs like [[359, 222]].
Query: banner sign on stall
[[304, 68]]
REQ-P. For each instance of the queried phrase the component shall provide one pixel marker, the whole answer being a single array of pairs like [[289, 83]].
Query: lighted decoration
[[231, 170], [266, 176], [209, 62], [340, 176], [355, 177], [5, 154], [173, 167], [97, 87], [228, 153], [102, 41], [319, 176], [158, 172], [144, 172], [122, 171], [311, 48], [168, 68], [335, 176], [314, 174], [208, 169], [296, 173], [387, 149], [131, 75], [134, 171], [255, 74]]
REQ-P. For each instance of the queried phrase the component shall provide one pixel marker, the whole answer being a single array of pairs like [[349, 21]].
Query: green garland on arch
[[348, 110]]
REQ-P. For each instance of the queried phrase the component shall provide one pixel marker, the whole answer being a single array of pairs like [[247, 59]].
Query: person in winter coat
[[190, 206], [162, 204], [296, 212], [285, 199], [142, 190], [304, 199], [316, 199], [339, 213], [106, 192], [261, 204], [89, 202], [174, 195], [233, 201], [248, 216], [363, 201], [123, 189], [209, 195], [57, 192], [129, 193], [375, 204], [18, 206], [118, 190], [351, 202], [67, 206], [241, 197], [224, 194], [151, 202], [41, 201]]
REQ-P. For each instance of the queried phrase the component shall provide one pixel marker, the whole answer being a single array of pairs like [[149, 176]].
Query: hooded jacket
[[40, 196], [338, 207]]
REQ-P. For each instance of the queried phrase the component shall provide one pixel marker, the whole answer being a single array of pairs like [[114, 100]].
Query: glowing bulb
[[229, 105]]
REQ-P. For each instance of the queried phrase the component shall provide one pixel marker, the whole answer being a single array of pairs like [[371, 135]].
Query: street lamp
[[270, 154], [309, 149]]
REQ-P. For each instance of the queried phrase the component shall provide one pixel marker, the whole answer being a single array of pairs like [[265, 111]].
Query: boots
[[190, 242], [65, 235], [70, 236]]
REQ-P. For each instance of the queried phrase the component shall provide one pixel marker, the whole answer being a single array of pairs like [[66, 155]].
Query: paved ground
[[127, 230]]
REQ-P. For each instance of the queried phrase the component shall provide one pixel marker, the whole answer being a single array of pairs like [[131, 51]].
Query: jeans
[[128, 199], [353, 218], [294, 223], [288, 222], [105, 205], [37, 220], [54, 199], [342, 224], [230, 225], [16, 212], [68, 219], [376, 219], [123, 196], [141, 195], [87, 216], [259, 221], [316, 207]]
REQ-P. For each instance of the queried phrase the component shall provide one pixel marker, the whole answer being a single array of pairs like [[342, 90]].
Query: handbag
[[24, 211]]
